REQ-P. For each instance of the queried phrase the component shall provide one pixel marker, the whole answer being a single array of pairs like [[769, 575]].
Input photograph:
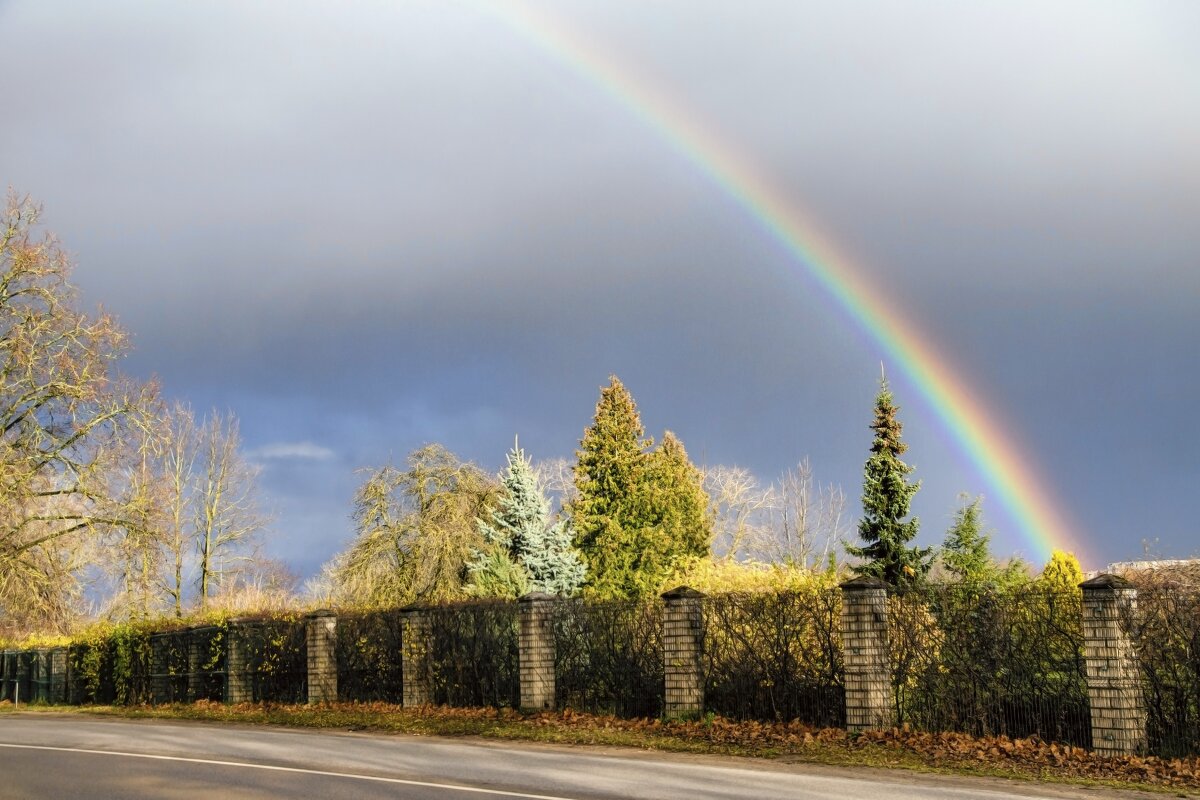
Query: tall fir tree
[[611, 510], [638, 514], [887, 495], [523, 551]]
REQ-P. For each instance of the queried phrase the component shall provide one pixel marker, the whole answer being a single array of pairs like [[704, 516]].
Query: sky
[[364, 227]]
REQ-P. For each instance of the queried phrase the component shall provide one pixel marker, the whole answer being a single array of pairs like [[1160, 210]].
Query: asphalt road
[[71, 756]]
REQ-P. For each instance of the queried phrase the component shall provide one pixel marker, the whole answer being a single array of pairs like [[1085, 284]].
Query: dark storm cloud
[[367, 226]]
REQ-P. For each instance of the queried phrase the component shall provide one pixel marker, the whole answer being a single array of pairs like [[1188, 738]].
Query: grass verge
[[945, 753]]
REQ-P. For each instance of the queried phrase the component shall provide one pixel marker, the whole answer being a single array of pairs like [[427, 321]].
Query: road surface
[[68, 755]]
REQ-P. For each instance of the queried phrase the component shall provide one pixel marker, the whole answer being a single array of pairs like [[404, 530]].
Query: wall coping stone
[[682, 592], [1106, 582], [862, 583]]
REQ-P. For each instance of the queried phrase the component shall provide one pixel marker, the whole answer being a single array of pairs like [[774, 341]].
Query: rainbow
[[984, 443]]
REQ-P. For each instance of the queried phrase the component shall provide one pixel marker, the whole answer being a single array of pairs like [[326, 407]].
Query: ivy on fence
[[473, 654], [609, 657], [989, 662], [775, 656], [368, 651]]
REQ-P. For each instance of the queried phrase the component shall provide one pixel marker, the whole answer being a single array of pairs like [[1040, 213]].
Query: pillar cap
[[535, 597], [862, 583], [1106, 582], [681, 593], [321, 613]]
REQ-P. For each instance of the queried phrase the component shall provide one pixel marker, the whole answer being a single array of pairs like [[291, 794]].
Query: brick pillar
[[321, 636], [535, 644], [58, 675], [1110, 660], [237, 678], [865, 654], [414, 655], [683, 629]]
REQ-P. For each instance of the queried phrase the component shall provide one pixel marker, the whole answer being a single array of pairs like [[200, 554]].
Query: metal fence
[[775, 656], [368, 651], [989, 662], [473, 654], [608, 657], [275, 654], [1166, 632]]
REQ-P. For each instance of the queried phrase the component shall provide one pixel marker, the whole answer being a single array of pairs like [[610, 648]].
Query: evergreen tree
[[965, 550], [681, 506], [886, 498], [611, 509], [552, 562], [523, 552], [1062, 573], [638, 515]]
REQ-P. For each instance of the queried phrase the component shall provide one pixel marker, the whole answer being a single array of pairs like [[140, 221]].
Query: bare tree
[[177, 464], [557, 477], [806, 519], [227, 514], [63, 412], [737, 506]]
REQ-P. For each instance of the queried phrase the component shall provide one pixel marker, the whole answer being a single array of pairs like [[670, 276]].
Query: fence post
[[25, 676], [58, 675], [237, 684], [41, 673], [194, 678], [682, 641], [414, 656], [535, 651], [1110, 660], [865, 654], [321, 644], [159, 667]]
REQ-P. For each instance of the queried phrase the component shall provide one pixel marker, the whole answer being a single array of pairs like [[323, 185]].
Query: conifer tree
[[886, 497], [965, 549], [638, 514], [523, 552], [611, 509], [551, 560], [680, 504]]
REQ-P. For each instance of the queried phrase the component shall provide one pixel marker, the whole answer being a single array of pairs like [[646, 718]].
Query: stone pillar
[[1110, 660], [321, 644], [58, 675], [682, 638], [414, 655], [237, 678], [865, 654], [535, 651]]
